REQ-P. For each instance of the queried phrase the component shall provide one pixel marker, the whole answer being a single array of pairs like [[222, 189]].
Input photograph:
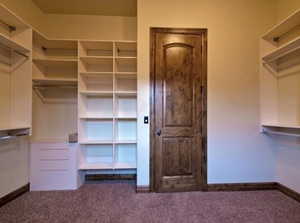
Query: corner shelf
[[281, 130], [281, 126]]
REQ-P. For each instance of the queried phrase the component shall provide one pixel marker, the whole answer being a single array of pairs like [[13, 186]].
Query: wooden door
[[178, 111]]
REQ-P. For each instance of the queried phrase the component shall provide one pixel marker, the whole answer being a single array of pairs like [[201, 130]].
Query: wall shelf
[[96, 48], [96, 117], [125, 166], [15, 75], [54, 81], [279, 76], [290, 23], [124, 142], [95, 142], [282, 126], [281, 130], [97, 93], [107, 105], [126, 93], [96, 166], [9, 43], [282, 51]]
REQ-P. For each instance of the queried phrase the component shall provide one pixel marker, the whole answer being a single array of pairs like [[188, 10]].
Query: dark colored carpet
[[118, 203]]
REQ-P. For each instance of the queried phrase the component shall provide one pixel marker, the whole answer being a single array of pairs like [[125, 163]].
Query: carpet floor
[[118, 203]]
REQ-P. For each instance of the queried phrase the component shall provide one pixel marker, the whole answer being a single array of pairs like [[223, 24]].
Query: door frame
[[203, 32]]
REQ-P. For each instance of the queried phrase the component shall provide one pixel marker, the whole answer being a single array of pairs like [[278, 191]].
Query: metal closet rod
[[7, 137], [271, 132], [9, 27]]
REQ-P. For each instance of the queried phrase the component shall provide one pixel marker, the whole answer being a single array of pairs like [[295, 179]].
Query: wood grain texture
[[178, 109], [13, 195]]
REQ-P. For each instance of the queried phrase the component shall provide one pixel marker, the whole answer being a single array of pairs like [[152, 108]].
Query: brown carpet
[[118, 203]]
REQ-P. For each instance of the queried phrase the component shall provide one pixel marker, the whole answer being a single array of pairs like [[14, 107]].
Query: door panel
[[178, 117], [177, 68]]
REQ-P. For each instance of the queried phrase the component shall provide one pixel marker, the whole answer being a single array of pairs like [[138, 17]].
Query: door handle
[[158, 132]]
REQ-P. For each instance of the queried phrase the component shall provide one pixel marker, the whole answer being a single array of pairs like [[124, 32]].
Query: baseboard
[[242, 186], [110, 177], [143, 189], [289, 192], [13, 195]]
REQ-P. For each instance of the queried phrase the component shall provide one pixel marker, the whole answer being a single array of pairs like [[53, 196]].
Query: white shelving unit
[[107, 105], [15, 71], [55, 114], [54, 69], [280, 77]]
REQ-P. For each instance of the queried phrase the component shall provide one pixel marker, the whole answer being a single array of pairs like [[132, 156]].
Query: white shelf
[[96, 48], [107, 107], [52, 61], [55, 80], [124, 142], [126, 118], [96, 117], [97, 93], [281, 126], [128, 58], [11, 128], [282, 51], [285, 26], [95, 166], [124, 166], [9, 43], [126, 93], [54, 44], [96, 73], [95, 142]]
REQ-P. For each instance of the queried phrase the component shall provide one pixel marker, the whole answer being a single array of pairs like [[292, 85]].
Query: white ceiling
[[89, 7]]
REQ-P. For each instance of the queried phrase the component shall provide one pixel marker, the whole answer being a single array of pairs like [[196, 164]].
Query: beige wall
[[91, 27], [74, 26], [286, 7], [236, 150]]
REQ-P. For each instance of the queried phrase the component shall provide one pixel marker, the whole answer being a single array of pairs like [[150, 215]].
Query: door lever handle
[[158, 132]]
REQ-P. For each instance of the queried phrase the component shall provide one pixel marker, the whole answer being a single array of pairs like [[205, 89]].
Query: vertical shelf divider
[[114, 104]]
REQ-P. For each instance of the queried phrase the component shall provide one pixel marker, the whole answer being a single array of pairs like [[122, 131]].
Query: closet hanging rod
[[16, 51], [265, 131], [9, 27], [7, 137]]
